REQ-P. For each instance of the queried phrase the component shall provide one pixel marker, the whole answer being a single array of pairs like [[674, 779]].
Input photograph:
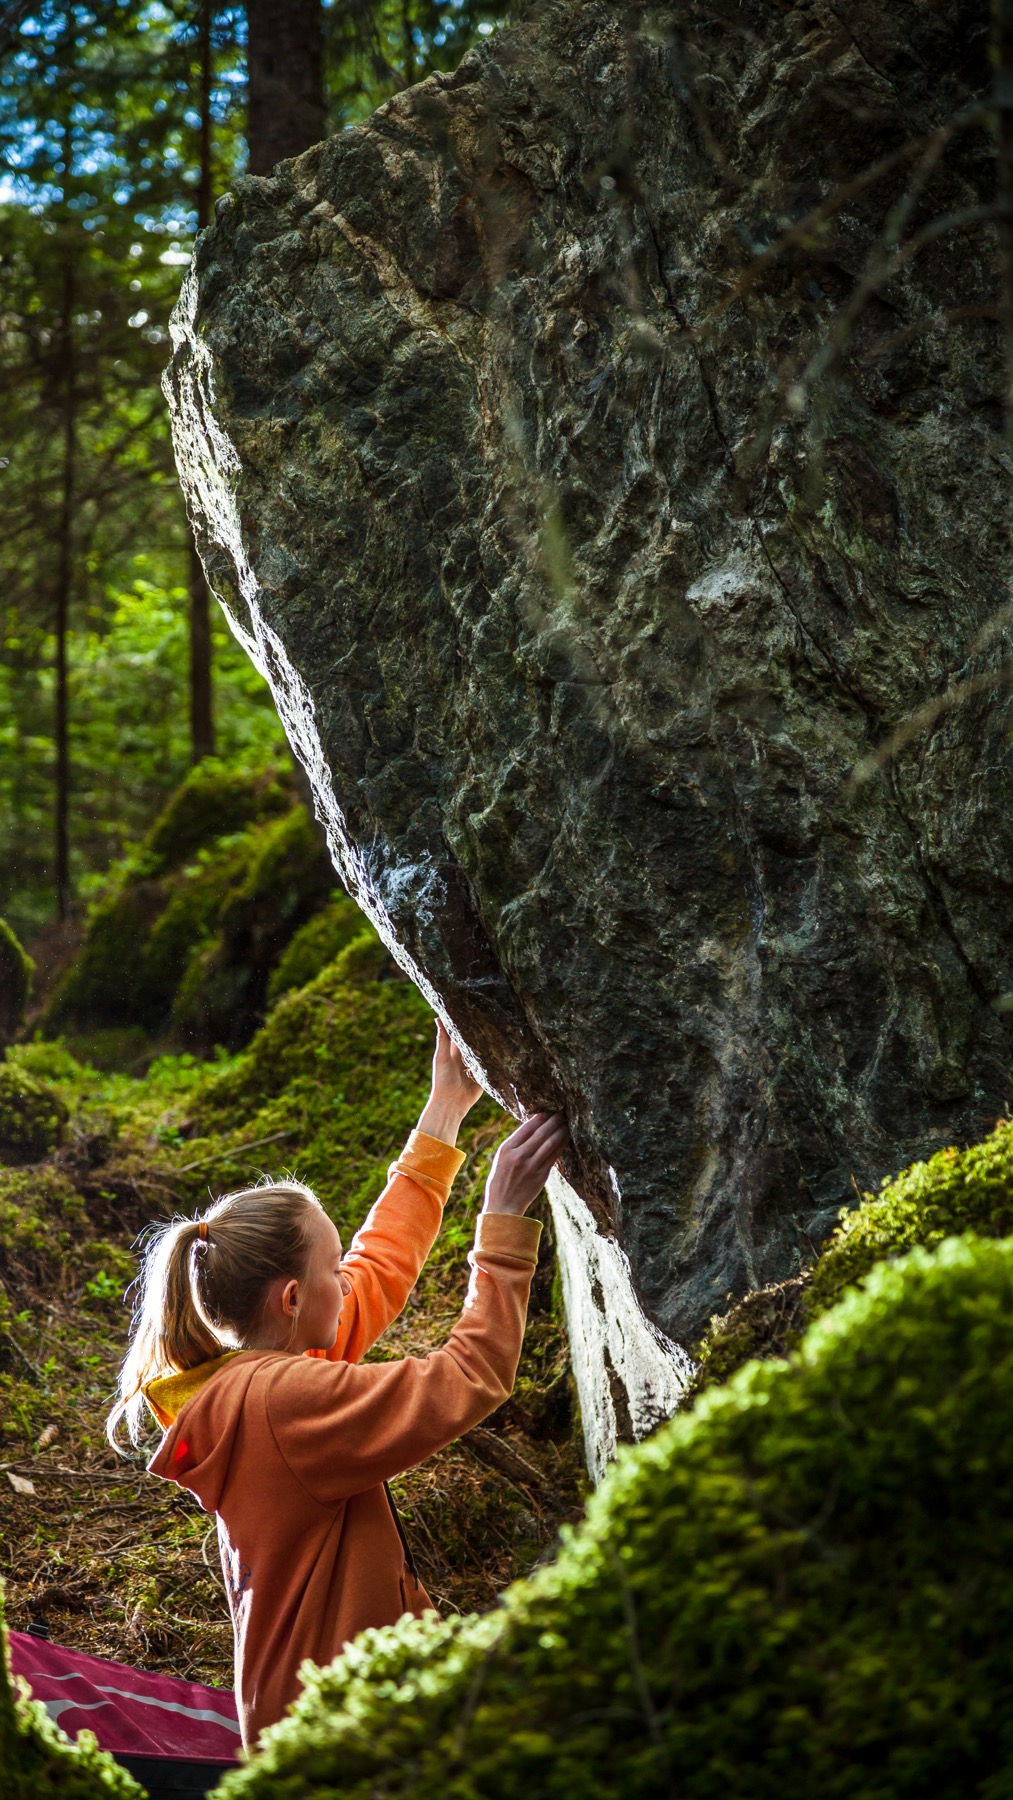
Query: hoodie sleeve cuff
[[430, 1162], [508, 1234]]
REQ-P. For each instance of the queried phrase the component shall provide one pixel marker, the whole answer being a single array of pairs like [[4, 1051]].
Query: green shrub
[[314, 946], [32, 1117], [16, 971], [800, 1588], [37, 1760]]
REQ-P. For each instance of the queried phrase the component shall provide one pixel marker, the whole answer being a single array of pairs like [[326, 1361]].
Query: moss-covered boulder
[[39, 1762], [953, 1191], [767, 1322], [214, 800], [285, 878], [800, 1588], [314, 946], [183, 943], [16, 971], [32, 1117]]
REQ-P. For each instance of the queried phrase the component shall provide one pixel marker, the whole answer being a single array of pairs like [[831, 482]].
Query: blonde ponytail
[[202, 1286]]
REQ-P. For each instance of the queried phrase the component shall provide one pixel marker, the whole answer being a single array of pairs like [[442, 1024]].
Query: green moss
[[314, 946], [32, 1117], [768, 1322], [285, 878], [16, 972], [215, 800], [365, 960], [954, 1191], [335, 1078], [39, 1210], [39, 1762], [800, 1588], [183, 943]]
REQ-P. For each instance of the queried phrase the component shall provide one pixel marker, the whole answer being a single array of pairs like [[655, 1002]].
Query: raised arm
[[386, 1256], [344, 1430]]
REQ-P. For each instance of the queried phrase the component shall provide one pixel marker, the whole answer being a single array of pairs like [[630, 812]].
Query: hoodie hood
[[168, 1396], [201, 1411]]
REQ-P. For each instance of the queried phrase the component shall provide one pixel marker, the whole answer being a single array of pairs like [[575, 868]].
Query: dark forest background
[[121, 123]]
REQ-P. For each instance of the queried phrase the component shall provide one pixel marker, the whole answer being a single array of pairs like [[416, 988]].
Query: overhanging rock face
[[591, 563]]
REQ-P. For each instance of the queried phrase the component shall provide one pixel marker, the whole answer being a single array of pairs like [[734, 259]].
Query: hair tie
[[202, 1230]]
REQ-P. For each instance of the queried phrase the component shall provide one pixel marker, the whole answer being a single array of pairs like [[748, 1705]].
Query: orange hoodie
[[292, 1451]]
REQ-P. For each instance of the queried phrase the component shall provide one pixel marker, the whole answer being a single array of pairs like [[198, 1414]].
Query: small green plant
[[103, 1287]]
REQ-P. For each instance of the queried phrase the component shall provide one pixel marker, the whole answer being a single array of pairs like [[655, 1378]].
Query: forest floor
[[122, 1565]]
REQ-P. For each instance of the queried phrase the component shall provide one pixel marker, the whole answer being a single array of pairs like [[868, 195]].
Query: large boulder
[[629, 588]]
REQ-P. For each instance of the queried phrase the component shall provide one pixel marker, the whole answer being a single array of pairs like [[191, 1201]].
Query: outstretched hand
[[454, 1090], [522, 1163]]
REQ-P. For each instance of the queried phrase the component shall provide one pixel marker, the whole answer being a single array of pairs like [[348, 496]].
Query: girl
[[247, 1344]]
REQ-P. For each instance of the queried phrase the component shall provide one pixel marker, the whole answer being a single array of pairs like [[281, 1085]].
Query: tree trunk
[[409, 44], [1002, 56], [285, 74], [64, 566], [202, 728]]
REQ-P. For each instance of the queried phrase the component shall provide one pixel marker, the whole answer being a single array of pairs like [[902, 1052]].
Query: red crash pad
[[130, 1712]]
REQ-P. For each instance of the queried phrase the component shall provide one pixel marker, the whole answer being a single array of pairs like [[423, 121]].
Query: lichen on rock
[[594, 551]]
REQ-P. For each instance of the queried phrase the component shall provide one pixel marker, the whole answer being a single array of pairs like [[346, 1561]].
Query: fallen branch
[[35, 1374], [224, 1155], [498, 1454]]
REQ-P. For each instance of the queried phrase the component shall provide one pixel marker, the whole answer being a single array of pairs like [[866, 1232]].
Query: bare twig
[[651, 1719], [925, 716], [34, 1373], [202, 1162], [937, 321], [500, 1455], [884, 269], [834, 202]]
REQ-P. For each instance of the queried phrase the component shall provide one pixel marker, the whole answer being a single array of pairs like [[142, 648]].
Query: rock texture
[[595, 538]]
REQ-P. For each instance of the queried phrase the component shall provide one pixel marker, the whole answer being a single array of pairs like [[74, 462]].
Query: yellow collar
[[169, 1394]]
